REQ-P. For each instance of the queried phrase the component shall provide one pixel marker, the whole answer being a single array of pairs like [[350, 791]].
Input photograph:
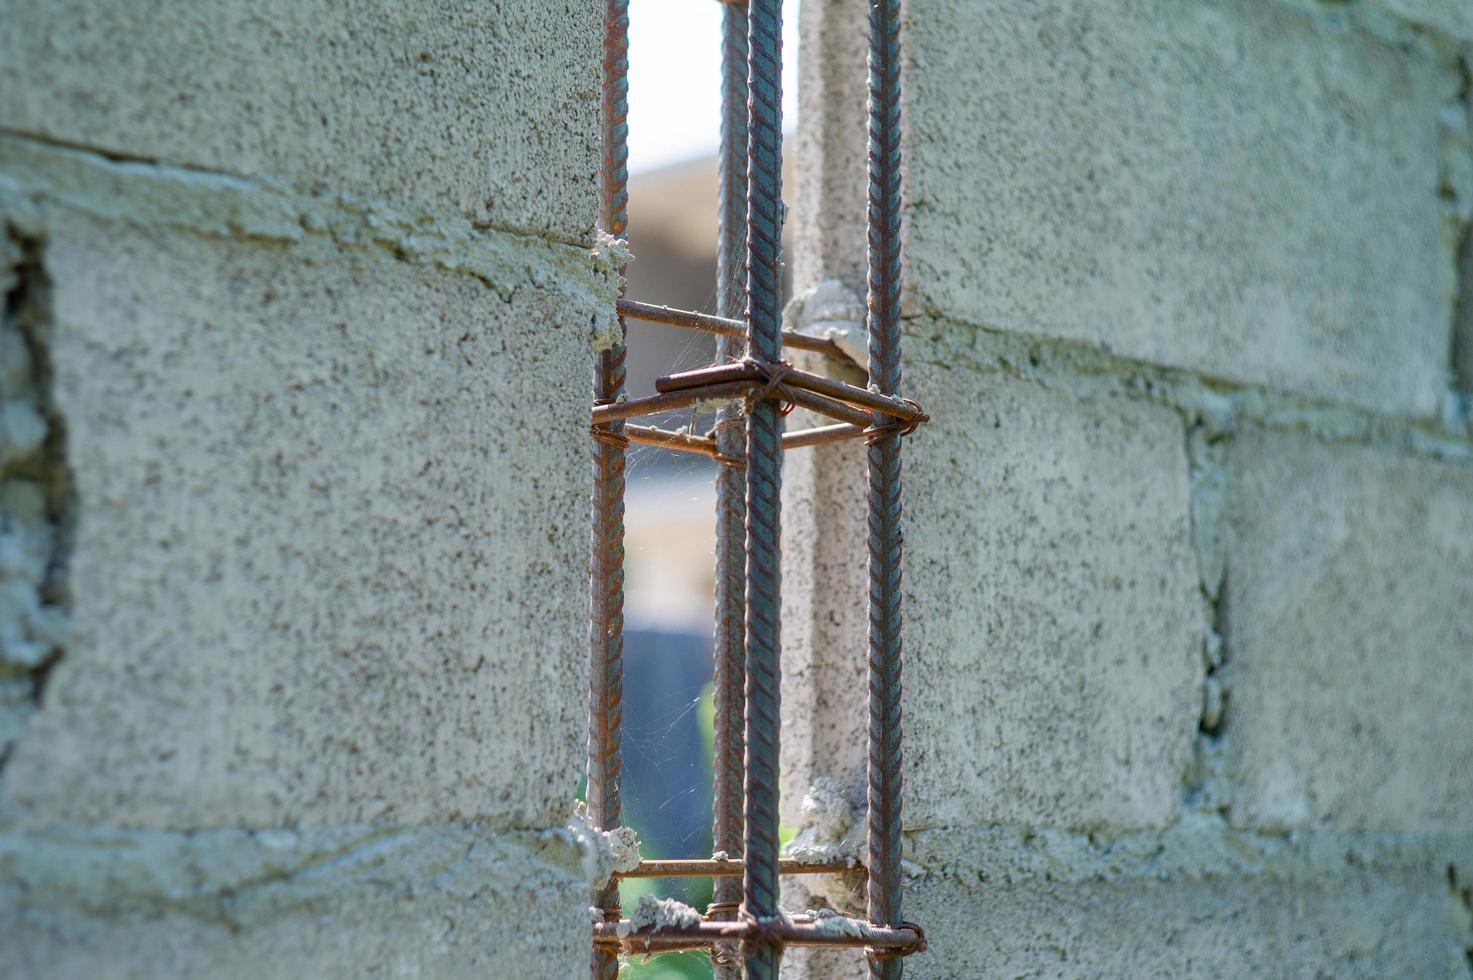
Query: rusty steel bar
[[669, 401], [707, 446], [606, 622], [833, 408], [820, 435], [729, 868], [885, 539], [665, 439], [764, 486], [797, 931], [722, 326], [729, 668], [652, 404], [895, 407]]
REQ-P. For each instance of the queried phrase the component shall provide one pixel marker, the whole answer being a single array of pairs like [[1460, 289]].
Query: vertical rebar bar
[[884, 478], [731, 553], [764, 477], [606, 623]]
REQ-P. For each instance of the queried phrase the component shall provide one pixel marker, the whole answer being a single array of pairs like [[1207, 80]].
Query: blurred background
[[674, 126]]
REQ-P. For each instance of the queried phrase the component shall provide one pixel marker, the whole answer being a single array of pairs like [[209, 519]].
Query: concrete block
[[1052, 658], [485, 109], [1349, 679], [1241, 188], [1366, 927], [1452, 18], [328, 563]]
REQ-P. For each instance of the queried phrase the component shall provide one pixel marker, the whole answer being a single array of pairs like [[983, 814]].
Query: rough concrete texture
[[825, 618], [486, 109], [440, 900], [1240, 187], [1053, 669], [327, 563], [829, 190], [1348, 635], [1452, 18]]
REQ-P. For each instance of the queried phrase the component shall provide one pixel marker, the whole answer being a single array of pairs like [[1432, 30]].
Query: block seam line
[[1079, 370], [241, 878], [139, 162], [36, 175]]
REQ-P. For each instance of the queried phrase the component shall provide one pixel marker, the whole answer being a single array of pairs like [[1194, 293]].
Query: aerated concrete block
[[487, 109], [1052, 669], [329, 561], [1349, 635], [1243, 188]]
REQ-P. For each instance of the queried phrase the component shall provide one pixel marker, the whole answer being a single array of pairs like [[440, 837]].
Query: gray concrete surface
[[1451, 18], [1350, 680], [1054, 667]]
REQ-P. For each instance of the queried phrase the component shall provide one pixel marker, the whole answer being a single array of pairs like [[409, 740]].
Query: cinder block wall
[[1189, 669], [292, 469]]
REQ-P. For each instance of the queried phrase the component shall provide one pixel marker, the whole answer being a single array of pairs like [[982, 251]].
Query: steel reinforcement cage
[[744, 928]]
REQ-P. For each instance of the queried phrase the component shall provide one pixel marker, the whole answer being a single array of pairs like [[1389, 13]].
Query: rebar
[[730, 868], [606, 622], [799, 930], [764, 483], [729, 652], [897, 408], [722, 326], [748, 590], [883, 222]]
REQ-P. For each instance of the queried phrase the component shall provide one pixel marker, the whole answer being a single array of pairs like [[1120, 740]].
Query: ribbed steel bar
[[729, 651], [606, 624], [764, 482], [885, 759], [722, 326]]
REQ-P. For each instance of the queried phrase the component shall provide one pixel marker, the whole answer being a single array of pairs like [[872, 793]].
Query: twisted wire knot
[[900, 427], [895, 952], [774, 372], [609, 437]]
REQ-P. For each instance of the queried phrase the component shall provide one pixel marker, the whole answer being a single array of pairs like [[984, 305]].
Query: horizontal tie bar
[[795, 931], [749, 371], [722, 326], [727, 868], [671, 400]]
